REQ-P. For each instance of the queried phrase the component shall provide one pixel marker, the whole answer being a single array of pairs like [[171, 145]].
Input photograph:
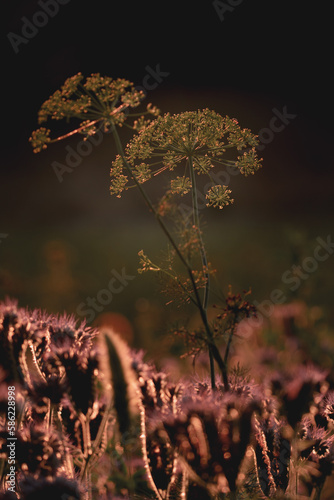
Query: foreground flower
[[16, 331], [195, 140], [38, 451], [59, 487], [295, 389], [327, 407], [212, 435]]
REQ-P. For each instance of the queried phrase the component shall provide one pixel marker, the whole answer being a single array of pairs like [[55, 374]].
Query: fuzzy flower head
[[57, 487], [212, 434], [296, 389], [328, 407], [98, 103], [16, 330], [195, 139], [65, 330], [39, 452], [319, 442]]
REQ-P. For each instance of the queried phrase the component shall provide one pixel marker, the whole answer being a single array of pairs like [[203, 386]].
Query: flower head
[[100, 102], [202, 137], [16, 331], [295, 389], [38, 451], [212, 433], [58, 487], [327, 407]]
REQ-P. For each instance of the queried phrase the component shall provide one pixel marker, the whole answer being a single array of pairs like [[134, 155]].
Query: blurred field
[[59, 272]]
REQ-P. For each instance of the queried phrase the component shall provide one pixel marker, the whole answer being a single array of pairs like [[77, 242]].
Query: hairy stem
[[35, 361], [144, 454], [85, 473], [86, 444], [99, 436], [68, 460]]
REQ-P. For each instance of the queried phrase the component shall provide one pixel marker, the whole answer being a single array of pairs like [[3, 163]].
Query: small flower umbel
[[235, 310], [98, 103]]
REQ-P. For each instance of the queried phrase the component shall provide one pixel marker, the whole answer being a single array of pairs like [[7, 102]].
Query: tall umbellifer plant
[[191, 144]]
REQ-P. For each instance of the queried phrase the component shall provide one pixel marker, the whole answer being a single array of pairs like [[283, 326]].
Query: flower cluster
[[212, 436], [218, 196], [49, 359], [99, 102], [195, 139], [295, 389], [195, 441], [237, 307]]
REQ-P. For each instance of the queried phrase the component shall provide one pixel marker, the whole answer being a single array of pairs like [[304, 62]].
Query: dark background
[[63, 239]]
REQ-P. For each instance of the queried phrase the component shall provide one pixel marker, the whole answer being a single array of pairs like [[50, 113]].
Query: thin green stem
[[204, 262], [199, 235], [229, 342], [220, 362]]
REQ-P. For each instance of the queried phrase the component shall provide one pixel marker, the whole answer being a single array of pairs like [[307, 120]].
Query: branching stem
[[213, 350]]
